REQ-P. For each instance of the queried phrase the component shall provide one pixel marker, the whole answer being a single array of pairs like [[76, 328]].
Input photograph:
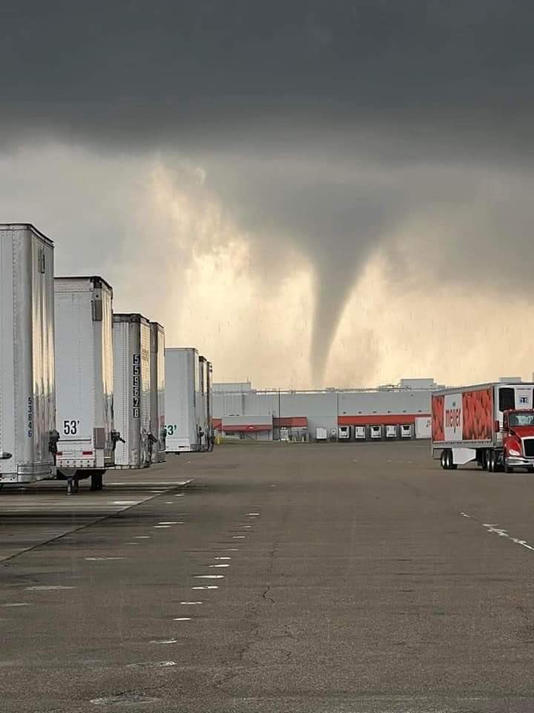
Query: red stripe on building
[[217, 423], [386, 419], [291, 422], [246, 428]]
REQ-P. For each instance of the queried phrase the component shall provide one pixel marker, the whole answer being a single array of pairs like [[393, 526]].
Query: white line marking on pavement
[[18, 604], [103, 559], [124, 502], [165, 641], [47, 587], [503, 533], [209, 586], [143, 537], [170, 522], [161, 527], [493, 527], [192, 603], [209, 576], [252, 514], [219, 565], [238, 537], [222, 558], [182, 618]]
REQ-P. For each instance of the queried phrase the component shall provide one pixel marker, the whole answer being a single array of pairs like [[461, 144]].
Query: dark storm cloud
[[156, 69], [326, 123]]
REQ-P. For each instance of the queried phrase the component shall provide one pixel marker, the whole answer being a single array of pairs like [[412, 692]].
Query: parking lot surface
[[346, 578]]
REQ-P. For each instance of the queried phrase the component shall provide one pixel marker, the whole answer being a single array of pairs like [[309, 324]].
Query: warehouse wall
[[322, 408], [384, 402]]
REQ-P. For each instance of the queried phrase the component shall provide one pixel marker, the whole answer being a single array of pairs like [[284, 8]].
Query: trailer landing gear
[[72, 485], [97, 480]]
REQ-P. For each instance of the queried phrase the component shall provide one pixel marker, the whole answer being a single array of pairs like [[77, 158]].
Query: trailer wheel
[[491, 462], [451, 465], [444, 460]]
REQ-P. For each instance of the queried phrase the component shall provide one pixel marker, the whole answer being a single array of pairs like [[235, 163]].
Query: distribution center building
[[395, 411]]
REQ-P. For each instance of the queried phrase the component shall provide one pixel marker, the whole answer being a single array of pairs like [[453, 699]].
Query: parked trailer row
[[82, 389]]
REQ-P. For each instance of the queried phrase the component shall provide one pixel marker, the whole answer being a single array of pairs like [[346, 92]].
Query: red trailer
[[491, 424]]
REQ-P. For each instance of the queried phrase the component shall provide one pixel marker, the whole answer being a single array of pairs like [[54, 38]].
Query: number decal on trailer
[[70, 427], [136, 386], [171, 429]]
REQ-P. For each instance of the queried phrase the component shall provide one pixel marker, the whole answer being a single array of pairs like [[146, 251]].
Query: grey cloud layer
[[327, 124], [168, 65]]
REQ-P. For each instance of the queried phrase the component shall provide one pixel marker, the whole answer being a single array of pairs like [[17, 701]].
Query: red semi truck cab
[[489, 424], [518, 439]]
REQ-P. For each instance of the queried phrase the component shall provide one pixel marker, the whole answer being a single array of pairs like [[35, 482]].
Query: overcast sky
[[309, 191]]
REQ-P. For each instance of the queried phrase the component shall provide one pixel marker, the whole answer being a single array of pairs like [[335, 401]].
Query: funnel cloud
[[307, 189]]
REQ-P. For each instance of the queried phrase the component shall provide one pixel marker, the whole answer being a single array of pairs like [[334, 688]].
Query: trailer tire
[[492, 462], [451, 464], [444, 460]]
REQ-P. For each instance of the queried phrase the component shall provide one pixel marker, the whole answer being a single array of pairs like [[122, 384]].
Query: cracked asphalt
[[343, 578]]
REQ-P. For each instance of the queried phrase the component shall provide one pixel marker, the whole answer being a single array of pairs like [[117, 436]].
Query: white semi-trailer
[[84, 379], [182, 387], [131, 369], [209, 405], [28, 436], [157, 391], [491, 424], [204, 405]]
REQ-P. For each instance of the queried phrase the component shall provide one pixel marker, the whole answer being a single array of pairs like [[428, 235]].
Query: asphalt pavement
[[307, 578]]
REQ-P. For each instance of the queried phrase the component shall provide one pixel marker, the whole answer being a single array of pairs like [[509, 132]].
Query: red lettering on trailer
[[453, 417]]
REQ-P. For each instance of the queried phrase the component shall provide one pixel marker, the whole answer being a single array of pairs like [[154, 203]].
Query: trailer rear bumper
[[29, 474]]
